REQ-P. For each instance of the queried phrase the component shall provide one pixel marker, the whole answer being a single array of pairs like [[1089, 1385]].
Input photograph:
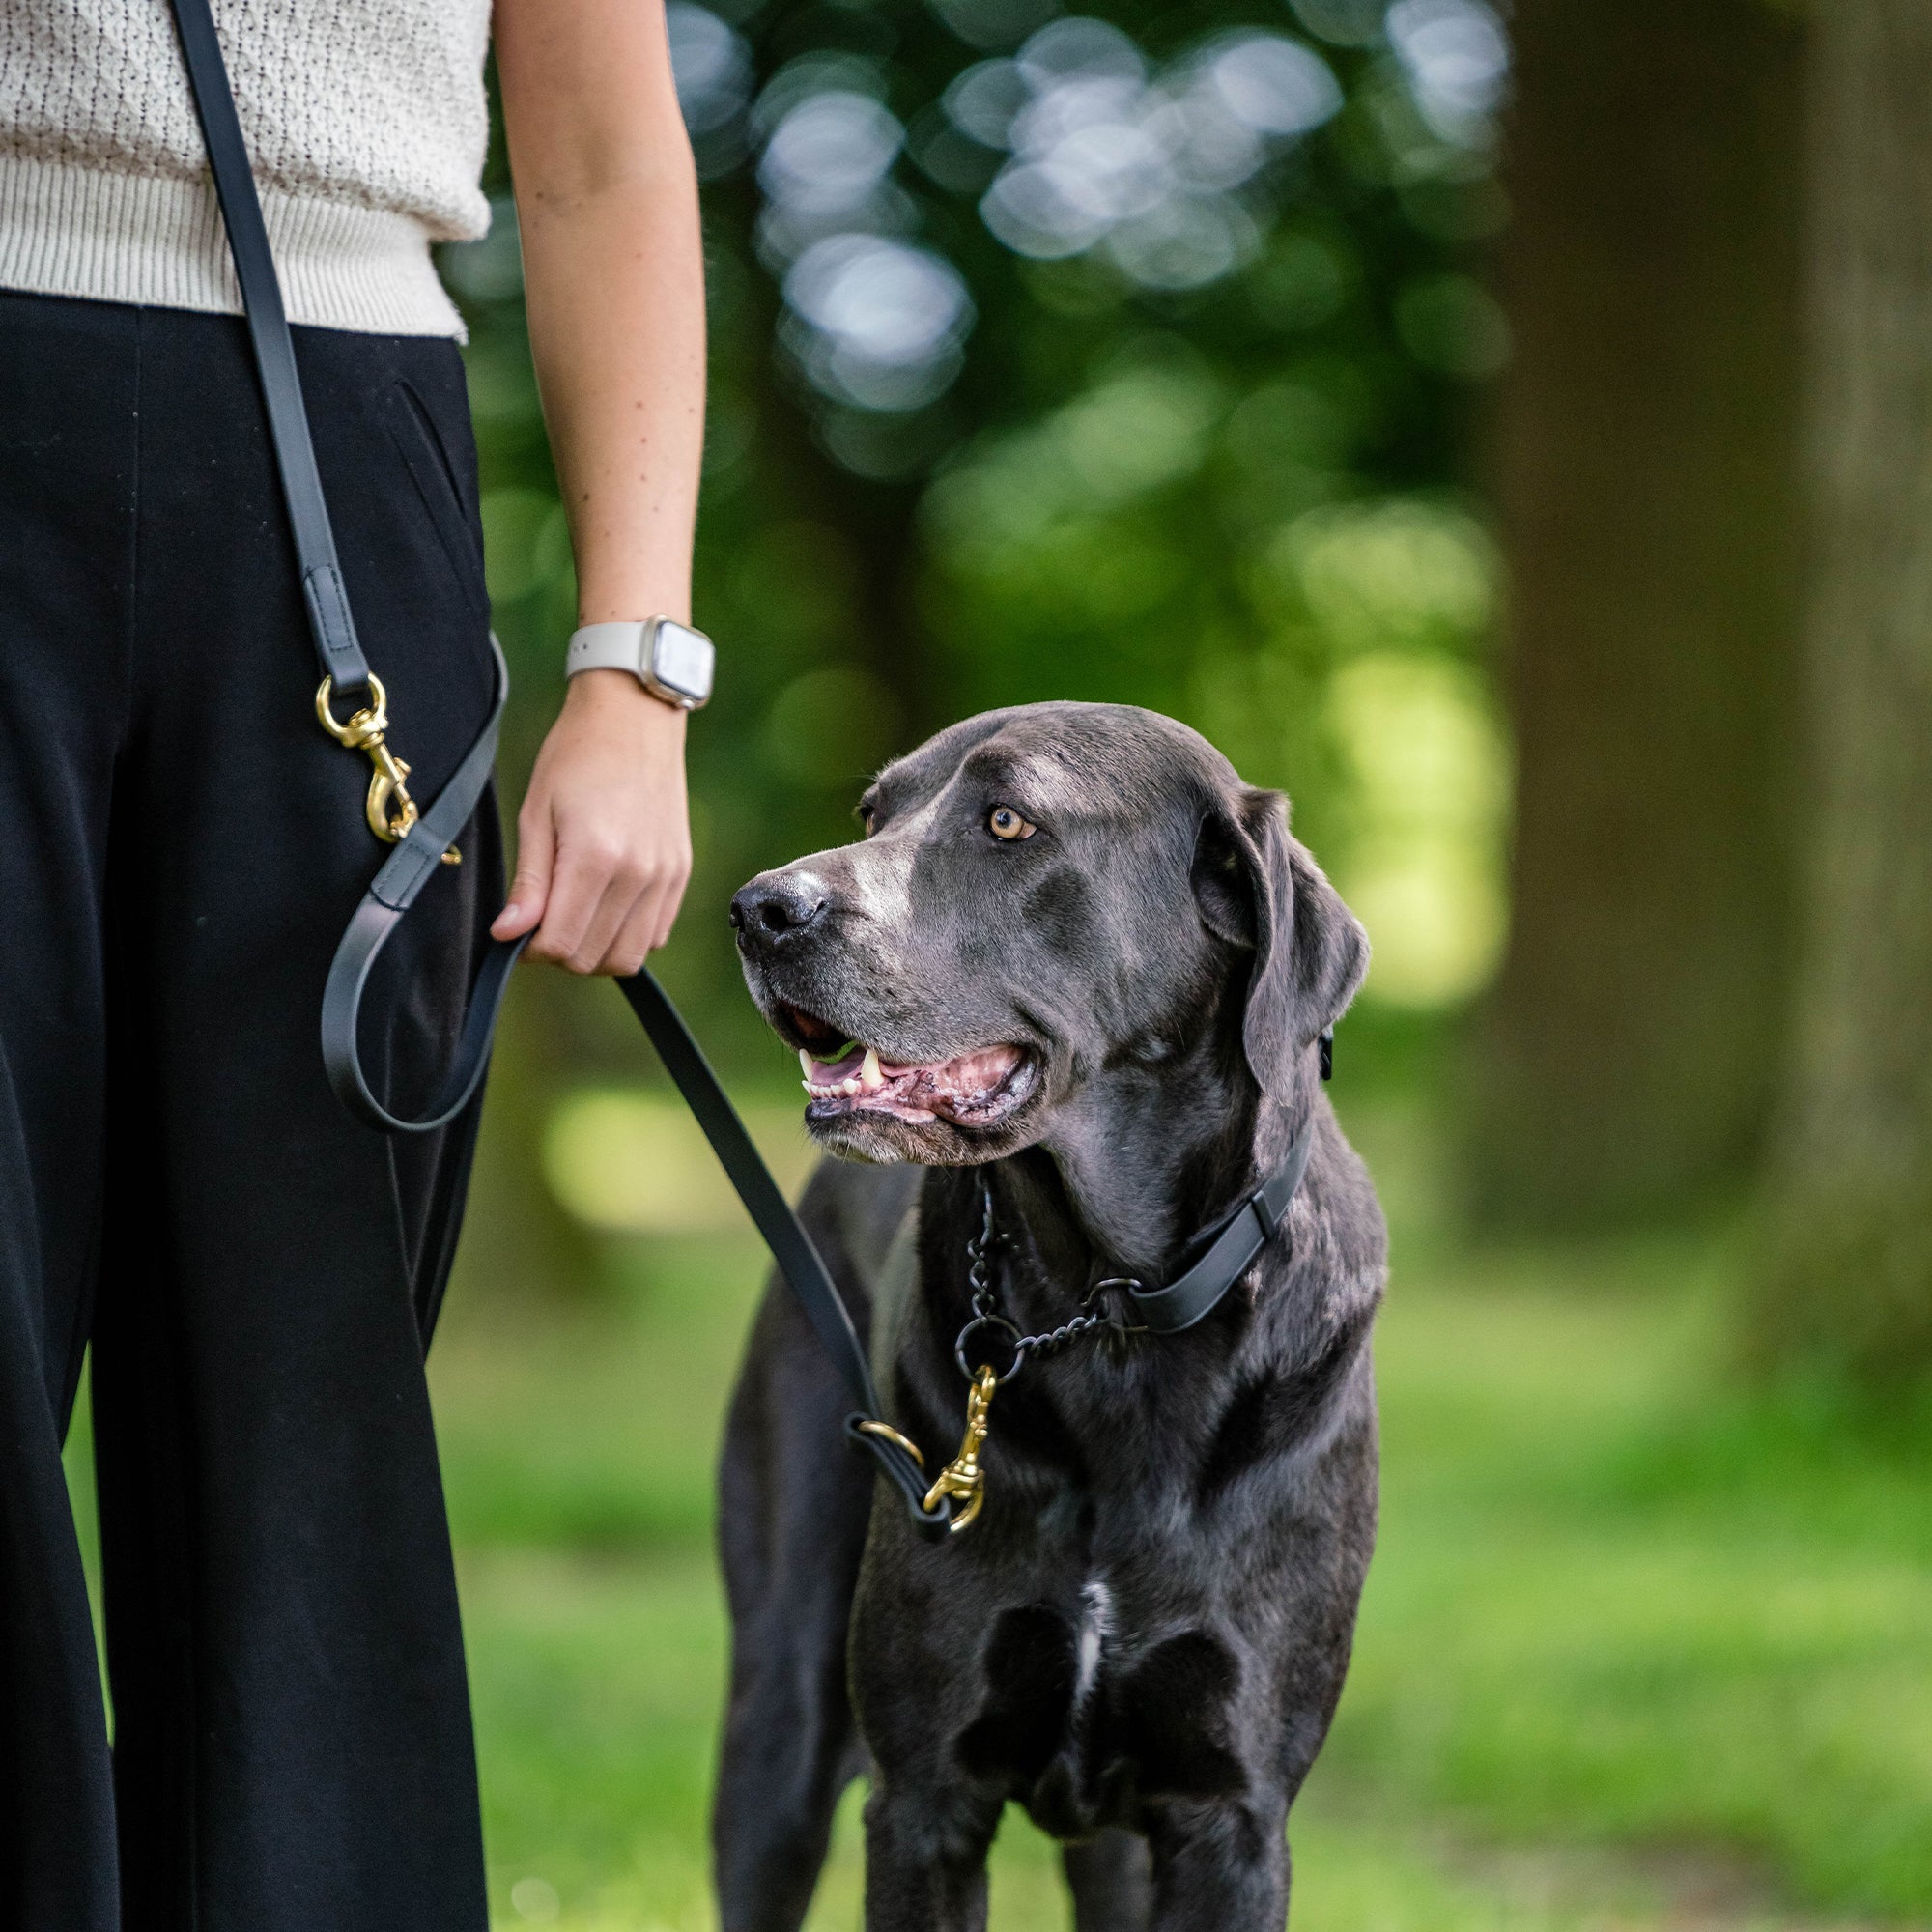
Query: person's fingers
[[647, 925], [600, 932], [530, 889], [636, 937], [582, 872], [670, 900]]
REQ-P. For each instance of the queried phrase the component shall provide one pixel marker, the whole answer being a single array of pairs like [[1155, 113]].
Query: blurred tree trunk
[[890, 638], [1846, 1277], [1647, 445]]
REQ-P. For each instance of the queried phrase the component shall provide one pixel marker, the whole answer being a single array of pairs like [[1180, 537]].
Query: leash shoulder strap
[[331, 623], [422, 842]]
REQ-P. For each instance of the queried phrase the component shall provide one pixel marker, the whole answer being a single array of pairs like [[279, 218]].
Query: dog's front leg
[[1221, 1864], [926, 1860], [1112, 1882]]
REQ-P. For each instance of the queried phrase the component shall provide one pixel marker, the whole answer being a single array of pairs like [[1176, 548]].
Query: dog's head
[[1043, 897]]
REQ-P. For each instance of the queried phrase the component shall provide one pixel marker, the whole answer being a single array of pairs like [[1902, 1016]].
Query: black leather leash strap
[[414, 862], [791, 1247], [330, 623], [1231, 1251]]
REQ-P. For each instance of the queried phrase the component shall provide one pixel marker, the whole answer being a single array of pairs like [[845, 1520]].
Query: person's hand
[[603, 837]]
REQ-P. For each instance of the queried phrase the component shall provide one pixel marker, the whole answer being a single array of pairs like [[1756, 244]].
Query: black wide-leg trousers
[[180, 848]]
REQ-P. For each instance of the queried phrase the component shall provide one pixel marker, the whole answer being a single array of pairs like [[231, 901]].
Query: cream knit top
[[365, 121]]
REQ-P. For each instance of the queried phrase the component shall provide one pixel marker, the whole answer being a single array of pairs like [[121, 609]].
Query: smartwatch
[[670, 660]]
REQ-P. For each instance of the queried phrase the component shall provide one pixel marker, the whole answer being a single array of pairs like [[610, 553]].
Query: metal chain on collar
[[962, 1483], [987, 1314]]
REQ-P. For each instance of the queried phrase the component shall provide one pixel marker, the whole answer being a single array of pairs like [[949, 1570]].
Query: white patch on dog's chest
[[1097, 1626]]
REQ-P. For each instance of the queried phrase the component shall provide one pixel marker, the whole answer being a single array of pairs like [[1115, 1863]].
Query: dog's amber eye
[[1003, 822]]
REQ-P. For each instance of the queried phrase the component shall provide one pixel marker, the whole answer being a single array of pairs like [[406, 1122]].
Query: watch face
[[682, 659]]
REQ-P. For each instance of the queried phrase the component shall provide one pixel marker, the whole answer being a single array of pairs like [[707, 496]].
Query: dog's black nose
[[777, 906]]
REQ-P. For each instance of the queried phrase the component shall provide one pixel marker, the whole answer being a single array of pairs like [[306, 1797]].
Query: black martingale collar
[[1228, 1249], [1224, 1252]]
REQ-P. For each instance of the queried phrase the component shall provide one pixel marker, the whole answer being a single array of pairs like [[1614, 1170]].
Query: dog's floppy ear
[[1259, 887]]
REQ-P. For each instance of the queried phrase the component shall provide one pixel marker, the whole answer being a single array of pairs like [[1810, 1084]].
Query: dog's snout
[[777, 906]]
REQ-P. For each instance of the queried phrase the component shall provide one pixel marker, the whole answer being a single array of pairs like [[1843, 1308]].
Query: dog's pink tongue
[[828, 1071]]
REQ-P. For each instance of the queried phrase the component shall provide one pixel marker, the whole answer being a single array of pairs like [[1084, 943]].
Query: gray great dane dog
[[1077, 969]]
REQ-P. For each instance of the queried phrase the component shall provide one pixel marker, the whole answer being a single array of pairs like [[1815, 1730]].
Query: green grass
[[1635, 1652]]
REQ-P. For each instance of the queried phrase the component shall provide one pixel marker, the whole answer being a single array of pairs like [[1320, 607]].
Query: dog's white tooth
[[807, 1065], [869, 1076], [849, 1088]]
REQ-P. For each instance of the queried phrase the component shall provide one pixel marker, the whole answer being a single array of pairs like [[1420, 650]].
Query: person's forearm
[[614, 279], [606, 199]]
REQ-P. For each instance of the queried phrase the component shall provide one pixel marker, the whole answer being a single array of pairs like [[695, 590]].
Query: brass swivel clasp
[[963, 1479], [388, 807]]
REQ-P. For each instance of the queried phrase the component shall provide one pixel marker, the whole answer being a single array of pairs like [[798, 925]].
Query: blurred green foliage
[[1123, 357]]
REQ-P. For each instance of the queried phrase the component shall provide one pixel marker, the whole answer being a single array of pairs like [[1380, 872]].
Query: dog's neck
[[1136, 1166]]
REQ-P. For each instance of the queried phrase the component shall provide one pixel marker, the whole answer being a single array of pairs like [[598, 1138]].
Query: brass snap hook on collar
[[963, 1479], [389, 807]]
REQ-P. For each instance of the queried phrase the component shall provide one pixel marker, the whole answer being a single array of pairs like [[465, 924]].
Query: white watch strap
[[618, 646]]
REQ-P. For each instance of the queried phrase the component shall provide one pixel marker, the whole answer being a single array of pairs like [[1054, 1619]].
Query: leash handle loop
[[391, 892], [422, 842]]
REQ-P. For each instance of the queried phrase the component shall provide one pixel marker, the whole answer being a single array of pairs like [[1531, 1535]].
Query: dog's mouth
[[977, 1088]]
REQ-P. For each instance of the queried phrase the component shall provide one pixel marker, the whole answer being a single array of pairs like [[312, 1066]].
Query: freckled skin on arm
[[606, 204]]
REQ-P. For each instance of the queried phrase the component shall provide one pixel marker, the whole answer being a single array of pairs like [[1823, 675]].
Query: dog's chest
[[1092, 1690], [1085, 1718]]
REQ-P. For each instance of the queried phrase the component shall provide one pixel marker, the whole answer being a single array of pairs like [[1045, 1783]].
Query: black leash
[[426, 839], [329, 621]]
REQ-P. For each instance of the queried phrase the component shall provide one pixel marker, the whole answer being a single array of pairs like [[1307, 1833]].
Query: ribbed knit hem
[[69, 231]]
